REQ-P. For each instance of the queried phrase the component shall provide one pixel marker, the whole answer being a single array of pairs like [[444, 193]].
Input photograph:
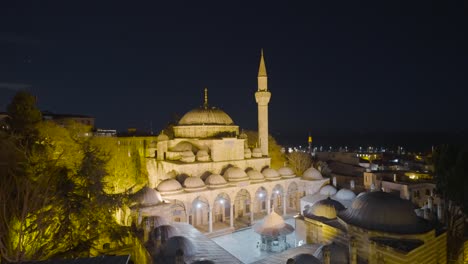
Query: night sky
[[335, 67]]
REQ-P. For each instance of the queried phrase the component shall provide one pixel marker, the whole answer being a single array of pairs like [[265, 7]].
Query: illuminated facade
[[209, 177]]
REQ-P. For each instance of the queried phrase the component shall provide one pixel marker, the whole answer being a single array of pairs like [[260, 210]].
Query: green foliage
[[451, 170], [23, 112], [274, 149], [125, 165], [53, 194]]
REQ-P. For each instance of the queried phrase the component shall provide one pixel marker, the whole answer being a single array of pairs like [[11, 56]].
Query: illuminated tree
[[299, 161], [52, 195]]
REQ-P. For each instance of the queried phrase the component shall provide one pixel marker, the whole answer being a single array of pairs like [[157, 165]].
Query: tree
[[53, 201], [299, 161], [24, 114], [451, 170], [274, 149]]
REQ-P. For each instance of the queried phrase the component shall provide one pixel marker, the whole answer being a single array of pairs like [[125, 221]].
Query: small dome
[[169, 186], [194, 184], [384, 212], [165, 231], [247, 153], [345, 194], [176, 243], [257, 153], [312, 174], [273, 225], [305, 258], [162, 137], [286, 172], [215, 181], [202, 155], [206, 116], [255, 175], [271, 174], [187, 156], [235, 174], [147, 197], [328, 190], [327, 208]]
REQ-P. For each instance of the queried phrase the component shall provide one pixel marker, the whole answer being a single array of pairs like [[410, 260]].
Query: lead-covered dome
[[286, 172], [169, 186], [147, 197], [312, 174], [235, 174], [215, 181], [345, 194], [271, 174], [194, 184], [206, 116], [384, 212], [327, 208], [328, 190], [255, 175]]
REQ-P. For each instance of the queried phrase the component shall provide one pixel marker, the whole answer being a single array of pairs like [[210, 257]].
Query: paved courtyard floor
[[243, 244]]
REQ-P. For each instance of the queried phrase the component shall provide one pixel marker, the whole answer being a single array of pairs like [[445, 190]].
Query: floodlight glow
[[199, 205]]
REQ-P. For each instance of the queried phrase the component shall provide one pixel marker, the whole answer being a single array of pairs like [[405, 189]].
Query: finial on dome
[[205, 104]]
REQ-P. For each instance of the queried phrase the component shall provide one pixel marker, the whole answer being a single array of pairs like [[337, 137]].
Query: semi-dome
[[312, 174], [147, 197], [235, 174], [187, 156], [286, 172], [202, 155], [194, 184], [384, 212], [255, 176], [183, 146], [328, 190], [206, 116], [257, 153], [169, 186], [345, 194], [215, 181], [271, 174], [327, 208], [273, 226]]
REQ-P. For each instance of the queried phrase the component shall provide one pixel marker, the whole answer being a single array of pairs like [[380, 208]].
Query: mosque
[[208, 178]]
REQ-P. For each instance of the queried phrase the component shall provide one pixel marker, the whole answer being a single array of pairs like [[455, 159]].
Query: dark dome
[[384, 212], [206, 116], [327, 208]]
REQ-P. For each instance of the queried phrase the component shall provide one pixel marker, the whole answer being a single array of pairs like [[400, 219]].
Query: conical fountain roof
[[273, 225]]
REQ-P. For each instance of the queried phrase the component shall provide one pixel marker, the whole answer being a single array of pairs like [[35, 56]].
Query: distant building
[[63, 119]]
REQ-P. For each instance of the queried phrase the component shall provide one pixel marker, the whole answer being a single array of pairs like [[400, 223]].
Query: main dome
[[206, 116], [384, 212]]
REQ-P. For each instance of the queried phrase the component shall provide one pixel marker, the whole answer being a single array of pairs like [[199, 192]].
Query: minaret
[[262, 96]]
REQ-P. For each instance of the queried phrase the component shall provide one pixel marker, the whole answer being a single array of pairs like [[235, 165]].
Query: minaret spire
[[262, 97], [205, 104], [261, 68]]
